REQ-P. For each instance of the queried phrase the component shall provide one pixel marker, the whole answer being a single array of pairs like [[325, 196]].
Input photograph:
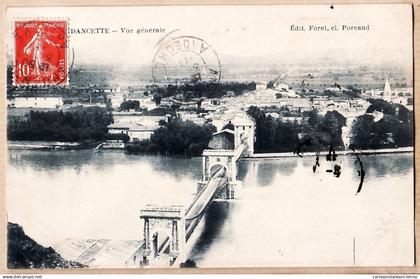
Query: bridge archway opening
[[164, 230], [159, 237], [225, 158]]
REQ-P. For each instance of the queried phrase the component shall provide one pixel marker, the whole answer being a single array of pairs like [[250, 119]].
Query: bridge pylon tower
[[171, 220], [213, 158]]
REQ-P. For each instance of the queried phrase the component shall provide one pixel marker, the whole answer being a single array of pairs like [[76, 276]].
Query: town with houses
[[277, 98]]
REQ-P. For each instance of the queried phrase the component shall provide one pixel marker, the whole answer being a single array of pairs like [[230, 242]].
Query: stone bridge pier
[[226, 159]]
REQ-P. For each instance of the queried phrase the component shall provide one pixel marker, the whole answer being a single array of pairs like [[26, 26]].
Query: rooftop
[[133, 126]]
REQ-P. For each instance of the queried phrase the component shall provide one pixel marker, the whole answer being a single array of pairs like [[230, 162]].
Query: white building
[[135, 131], [285, 91], [136, 127], [275, 115], [400, 100], [37, 102], [244, 131], [191, 116], [112, 89], [116, 100], [293, 119], [261, 85], [244, 127], [299, 105], [145, 102], [166, 102], [377, 115]]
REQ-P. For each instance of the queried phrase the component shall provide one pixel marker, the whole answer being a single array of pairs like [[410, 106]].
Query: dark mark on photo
[[361, 172]]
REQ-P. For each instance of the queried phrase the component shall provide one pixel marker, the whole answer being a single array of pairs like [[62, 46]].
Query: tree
[[270, 84], [332, 124], [176, 138], [157, 99], [381, 105], [366, 134], [81, 125], [163, 123], [203, 89], [285, 137], [395, 129], [273, 135], [403, 114], [129, 104], [313, 118], [108, 104]]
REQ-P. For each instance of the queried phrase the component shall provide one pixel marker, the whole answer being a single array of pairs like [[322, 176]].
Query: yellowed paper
[[229, 137]]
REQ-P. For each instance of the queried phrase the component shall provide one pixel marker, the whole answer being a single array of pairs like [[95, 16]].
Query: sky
[[238, 31]]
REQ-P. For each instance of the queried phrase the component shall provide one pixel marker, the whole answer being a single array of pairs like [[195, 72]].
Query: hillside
[[24, 252]]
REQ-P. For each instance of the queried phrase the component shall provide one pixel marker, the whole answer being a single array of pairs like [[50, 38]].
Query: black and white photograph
[[209, 136]]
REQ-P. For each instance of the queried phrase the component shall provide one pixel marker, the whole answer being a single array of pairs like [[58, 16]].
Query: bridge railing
[[239, 151], [203, 200], [203, 190]]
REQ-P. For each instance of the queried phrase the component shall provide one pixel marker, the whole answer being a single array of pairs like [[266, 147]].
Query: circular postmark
[[185, 60]]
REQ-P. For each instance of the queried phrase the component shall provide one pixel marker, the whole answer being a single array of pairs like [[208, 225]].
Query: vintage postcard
[[210, 136]]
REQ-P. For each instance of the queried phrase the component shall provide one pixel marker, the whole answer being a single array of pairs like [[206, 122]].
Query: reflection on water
[[214, 221], [103, 161], [250, 170], [287, 216], [290, 216], [81, 194], [387, 164]]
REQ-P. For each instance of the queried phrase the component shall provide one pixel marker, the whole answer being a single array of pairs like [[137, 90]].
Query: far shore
[[50, 145], [47, 145], [408, 149]]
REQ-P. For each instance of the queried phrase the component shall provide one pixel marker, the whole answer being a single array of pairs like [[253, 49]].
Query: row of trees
[[203, 89], [324, 132], [175, 138], [395, 129], [319, 133], [81, 125], [273, 135]]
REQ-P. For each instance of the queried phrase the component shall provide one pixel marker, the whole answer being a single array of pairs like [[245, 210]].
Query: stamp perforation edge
[[68, 56]]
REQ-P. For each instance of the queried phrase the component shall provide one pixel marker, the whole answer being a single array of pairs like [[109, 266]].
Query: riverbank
[[408, 149], [50, 145], [24, 252], [45, 145]]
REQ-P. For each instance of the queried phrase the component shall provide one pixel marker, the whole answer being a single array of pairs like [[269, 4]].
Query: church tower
[[387, 91]]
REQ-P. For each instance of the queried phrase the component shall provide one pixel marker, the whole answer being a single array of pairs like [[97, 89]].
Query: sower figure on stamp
[[35, 45]]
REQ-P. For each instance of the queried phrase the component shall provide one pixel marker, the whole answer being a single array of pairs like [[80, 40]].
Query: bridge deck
[[203, 199]]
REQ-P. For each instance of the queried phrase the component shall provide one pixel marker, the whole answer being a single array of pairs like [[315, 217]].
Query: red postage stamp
[[40, 56]]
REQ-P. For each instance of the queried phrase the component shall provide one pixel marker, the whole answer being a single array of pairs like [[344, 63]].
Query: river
[[286, 216]]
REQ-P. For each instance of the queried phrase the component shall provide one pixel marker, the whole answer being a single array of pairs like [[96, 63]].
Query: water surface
[[286, 216]]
